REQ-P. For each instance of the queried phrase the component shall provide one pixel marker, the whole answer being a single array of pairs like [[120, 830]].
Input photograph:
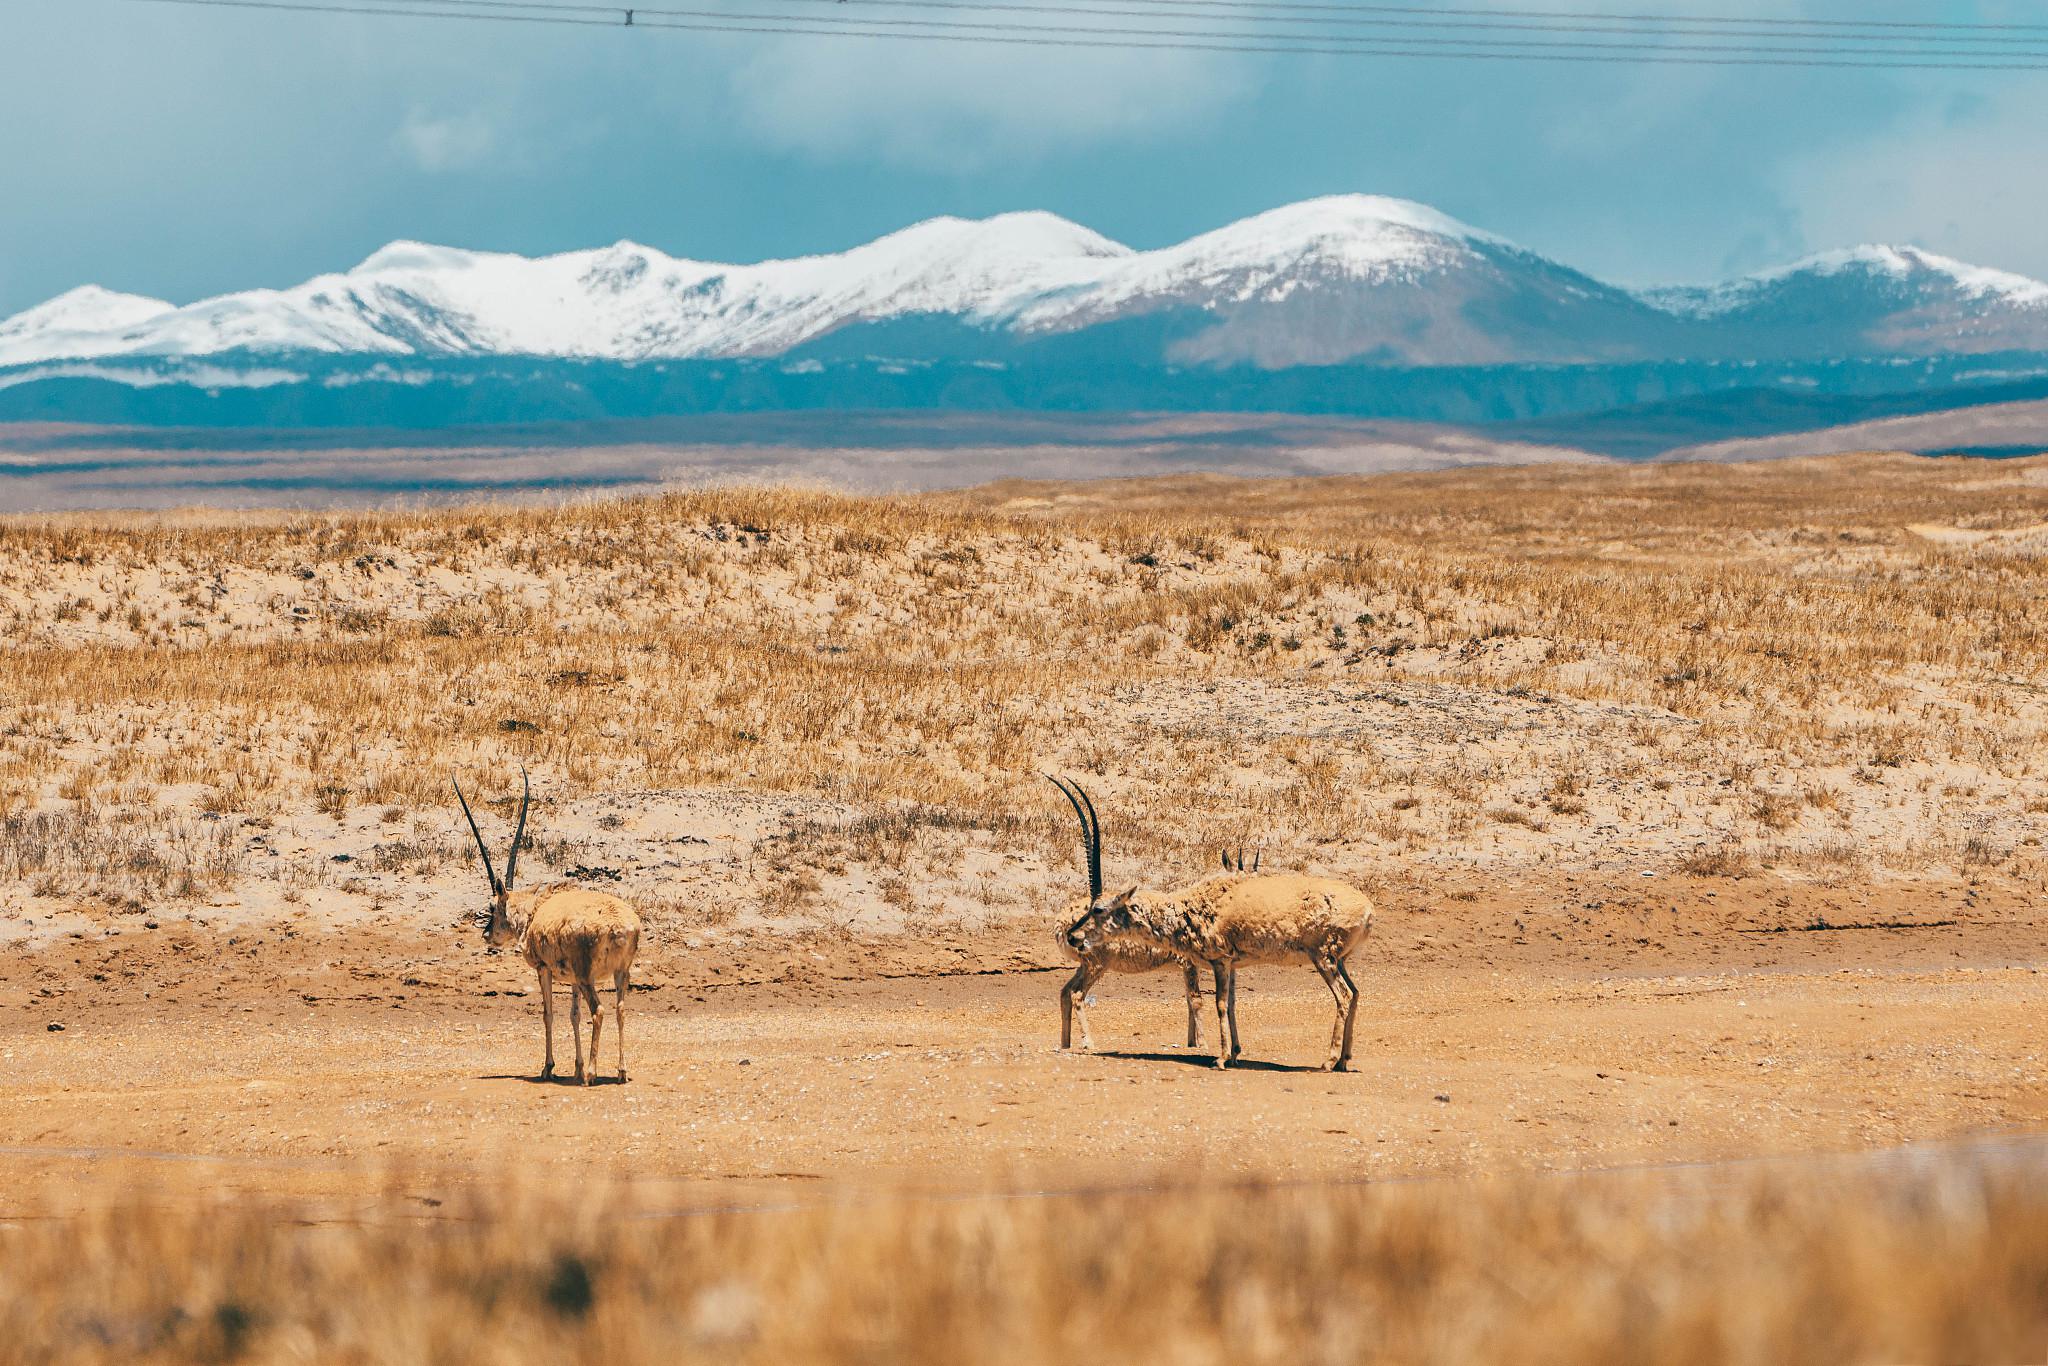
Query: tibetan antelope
[[1123, 956], [1234, 918], [563, 931]]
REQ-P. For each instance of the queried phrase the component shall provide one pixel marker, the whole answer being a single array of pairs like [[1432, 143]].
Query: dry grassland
[[1948, 1263], [1715, 669], [1704, 807]]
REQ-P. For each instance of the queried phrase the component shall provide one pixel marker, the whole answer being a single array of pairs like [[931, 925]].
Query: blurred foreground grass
[[1945, 1262]]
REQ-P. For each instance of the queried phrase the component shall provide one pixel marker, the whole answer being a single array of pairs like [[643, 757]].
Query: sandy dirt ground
[[1570, 1023], [1704, 809]]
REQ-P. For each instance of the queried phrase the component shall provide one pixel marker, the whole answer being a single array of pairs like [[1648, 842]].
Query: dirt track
[[1578, 1024]]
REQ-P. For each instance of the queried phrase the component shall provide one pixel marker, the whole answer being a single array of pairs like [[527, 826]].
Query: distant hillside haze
[[1350, 280]]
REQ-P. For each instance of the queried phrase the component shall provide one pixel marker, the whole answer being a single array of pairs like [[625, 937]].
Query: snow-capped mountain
[[1349, 278], [80, 322], [1352, 278], [1869, 300], [620, 302]]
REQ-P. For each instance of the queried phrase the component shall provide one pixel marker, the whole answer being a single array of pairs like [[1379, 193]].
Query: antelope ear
[[1123, 898]]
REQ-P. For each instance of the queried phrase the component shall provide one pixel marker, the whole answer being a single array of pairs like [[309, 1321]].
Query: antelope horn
[[1094, 845], [1226, 860], [482, 852], [519, 831], [1091, 833], [1258, 857]]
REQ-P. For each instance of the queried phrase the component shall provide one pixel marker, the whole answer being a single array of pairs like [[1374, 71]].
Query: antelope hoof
[[547, 1072], [622, 1074], [1341, 1065], [1222, 1064]]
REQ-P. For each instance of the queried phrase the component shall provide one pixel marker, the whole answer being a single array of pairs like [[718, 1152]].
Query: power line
[[1355, 16], [1860, 30], [1279, 13], [1659, 19], [296, 7], [1421, 46], [1516, 53], [1069, 30], [1305, 44]]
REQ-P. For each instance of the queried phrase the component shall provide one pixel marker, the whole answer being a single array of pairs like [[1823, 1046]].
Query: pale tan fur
[[583, 937], [1132, 956], [1234, 918], [562, 931]]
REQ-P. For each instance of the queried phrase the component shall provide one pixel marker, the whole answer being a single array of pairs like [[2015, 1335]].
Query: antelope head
[[495, 919], [1090, 923]]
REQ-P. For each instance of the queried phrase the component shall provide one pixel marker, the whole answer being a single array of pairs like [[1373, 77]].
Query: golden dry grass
[[1767, 660], [1718, 670], [1949, 1263]]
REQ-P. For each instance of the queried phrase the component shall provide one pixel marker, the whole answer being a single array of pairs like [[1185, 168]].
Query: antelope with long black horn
[[563, 931], [1233, 918], [1122, 957]]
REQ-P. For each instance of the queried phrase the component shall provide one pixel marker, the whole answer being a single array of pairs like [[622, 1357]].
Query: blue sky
[[182, 152]]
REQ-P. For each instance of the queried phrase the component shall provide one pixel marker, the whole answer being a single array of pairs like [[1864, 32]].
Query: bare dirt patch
[[1704, 809]]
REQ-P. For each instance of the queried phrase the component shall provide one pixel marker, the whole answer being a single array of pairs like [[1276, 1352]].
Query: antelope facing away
[[1123, 956], [563, 931], [1233, 918]]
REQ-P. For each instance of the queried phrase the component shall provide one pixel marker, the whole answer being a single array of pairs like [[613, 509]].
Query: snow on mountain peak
[[1902, 262], [1898, 264], [1355, 215], [984, 269], [1360, 231], [1027, 235], [405, 257], [1362, 237], [1022, 273], [977, 264], [88, 308], [620, 267]]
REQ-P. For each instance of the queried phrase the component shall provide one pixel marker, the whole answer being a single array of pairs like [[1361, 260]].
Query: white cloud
[[956, 107], [447, 142]]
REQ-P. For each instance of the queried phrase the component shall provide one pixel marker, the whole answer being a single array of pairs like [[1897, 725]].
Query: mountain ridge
[[1345, 279]]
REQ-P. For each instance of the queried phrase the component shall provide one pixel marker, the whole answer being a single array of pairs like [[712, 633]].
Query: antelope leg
[[576, 1027], [1078, 984], [1347, 1000], [1223, 973], [547, 1017], [620, 985], [1350, 1016], [1236, 1045]]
